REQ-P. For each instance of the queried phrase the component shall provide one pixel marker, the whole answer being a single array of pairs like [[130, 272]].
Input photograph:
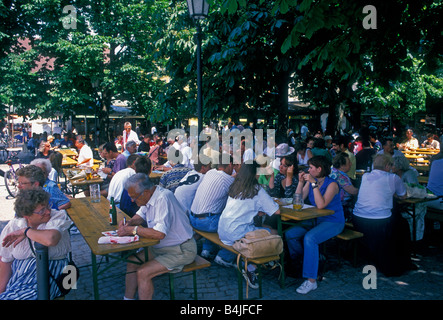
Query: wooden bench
[[349, 234], [214, 238], [199, 263]]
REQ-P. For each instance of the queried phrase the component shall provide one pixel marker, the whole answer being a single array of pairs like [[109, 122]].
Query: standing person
[[209, 202], [154, 151], [304, 240], [34, 222], [129, 135], [84, 152], [246, 200], [373, 217], [165, 221]]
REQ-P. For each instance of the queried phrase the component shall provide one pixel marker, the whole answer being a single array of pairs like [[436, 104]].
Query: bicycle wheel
[[11, 183]]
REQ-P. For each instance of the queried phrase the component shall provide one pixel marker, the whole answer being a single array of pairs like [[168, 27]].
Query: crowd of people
[[216, 193]]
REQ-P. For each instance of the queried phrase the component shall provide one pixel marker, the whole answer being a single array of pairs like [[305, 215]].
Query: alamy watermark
[[70, 20], [370, 21], [370, 281]]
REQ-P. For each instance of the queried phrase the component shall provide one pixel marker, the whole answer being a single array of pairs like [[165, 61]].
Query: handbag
[[259, 244], [61, 277]]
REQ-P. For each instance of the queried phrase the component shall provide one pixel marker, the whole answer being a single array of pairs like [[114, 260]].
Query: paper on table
[[118, 240], [305, 206]]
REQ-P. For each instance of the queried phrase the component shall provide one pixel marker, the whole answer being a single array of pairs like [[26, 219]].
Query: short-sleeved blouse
[[59, 221]]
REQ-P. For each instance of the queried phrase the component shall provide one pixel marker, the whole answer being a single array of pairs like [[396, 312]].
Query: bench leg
[[171, 287], [194, 281]]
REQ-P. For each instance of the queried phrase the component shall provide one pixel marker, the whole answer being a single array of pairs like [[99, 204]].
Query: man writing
[[166, 221]]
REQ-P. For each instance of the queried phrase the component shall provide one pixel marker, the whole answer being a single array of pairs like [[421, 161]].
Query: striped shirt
[[212, 193]]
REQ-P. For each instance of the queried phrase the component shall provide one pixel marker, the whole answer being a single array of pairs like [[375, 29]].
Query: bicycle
[[11, 180]]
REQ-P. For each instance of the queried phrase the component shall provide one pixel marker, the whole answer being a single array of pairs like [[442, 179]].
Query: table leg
[[95, 276]]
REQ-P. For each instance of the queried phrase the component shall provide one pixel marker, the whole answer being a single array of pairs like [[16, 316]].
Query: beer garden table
[[91, 219]]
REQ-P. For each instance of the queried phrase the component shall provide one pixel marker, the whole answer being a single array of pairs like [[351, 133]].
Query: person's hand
[[14, 238], [309, 178], [290, 172], [124, 229], [301, 176]]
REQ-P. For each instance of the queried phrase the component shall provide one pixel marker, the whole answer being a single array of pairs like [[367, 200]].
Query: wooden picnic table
[[91, 219], [68, 152], [79, 183]]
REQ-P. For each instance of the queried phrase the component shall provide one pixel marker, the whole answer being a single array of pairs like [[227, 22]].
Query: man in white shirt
[[165, 221], [208, 204], [410, 143], [84, 152], [129, 134], [116, 185]]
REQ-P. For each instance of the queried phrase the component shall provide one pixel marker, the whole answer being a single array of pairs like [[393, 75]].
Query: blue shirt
[[335, 203], [435, 183], [57, 198]]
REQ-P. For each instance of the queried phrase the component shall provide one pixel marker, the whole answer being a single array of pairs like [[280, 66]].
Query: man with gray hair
[[120, 161], [84, 152], [164, 220]]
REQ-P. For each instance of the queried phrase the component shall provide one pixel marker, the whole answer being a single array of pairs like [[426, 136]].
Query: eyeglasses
[[135, 199], [24, 183], [44, 210]]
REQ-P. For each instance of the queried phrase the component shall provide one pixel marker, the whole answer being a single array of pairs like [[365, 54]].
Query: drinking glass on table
[[297, 201]]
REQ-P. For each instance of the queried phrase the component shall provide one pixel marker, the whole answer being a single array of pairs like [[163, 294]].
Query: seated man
[[210, 200], [116, 185], [171, 178], [187, 187], [59, 200], [120, 161], [166, 221], [84, 152]]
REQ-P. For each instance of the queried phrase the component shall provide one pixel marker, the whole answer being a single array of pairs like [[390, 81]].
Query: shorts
[[174, 258]]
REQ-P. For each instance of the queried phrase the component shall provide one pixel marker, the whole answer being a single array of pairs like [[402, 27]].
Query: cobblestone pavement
[[342, 281]]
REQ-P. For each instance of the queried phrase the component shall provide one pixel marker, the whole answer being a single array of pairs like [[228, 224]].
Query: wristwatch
[[314, 185], [134, 232]]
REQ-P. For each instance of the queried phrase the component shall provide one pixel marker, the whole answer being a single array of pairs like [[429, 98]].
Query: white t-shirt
[[237, 218], [163, 213], [185, 192], [117, 183], [375, 196]]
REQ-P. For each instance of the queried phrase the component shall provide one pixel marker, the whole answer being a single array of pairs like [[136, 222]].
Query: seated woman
[[304, 239], [285, 182], [303, 153], [340, 166], [34, 221], [407, 174], [246, 199], [385, 234]]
